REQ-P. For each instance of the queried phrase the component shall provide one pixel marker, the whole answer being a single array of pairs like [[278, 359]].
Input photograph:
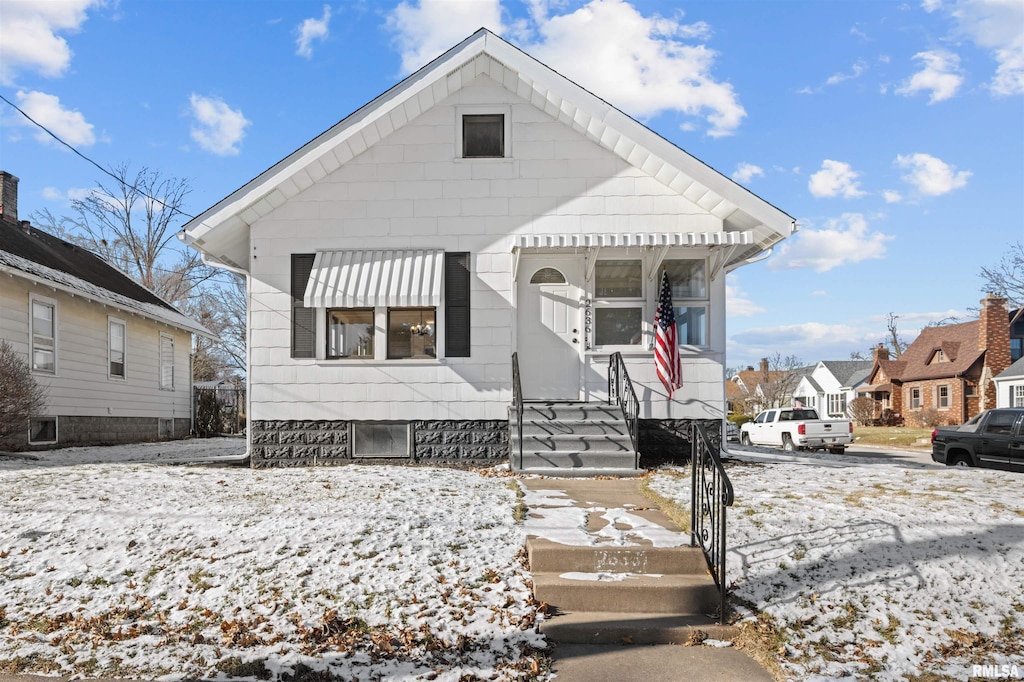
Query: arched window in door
[[547, 276]]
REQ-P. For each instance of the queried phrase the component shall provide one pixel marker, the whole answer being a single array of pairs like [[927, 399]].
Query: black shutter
[[303, 319], [456, 305]]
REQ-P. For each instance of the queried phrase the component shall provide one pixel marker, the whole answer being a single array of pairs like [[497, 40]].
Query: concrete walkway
[[613, 513]]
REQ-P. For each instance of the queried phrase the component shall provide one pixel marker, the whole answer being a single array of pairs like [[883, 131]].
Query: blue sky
[[892, 131]]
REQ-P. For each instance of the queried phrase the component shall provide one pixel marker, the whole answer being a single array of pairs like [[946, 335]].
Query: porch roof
[[369, 278]]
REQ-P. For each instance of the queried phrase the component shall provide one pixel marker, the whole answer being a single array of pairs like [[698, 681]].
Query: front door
[[549, 337]]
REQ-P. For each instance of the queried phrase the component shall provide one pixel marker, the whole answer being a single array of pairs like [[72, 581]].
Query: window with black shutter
[[456, 305], [303, 319]]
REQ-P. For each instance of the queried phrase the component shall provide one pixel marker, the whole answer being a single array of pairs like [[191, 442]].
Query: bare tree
[[131, 223], [779, 376], [862, 409], [893, 340], [21, 398], [1007, 278], [222, 310]]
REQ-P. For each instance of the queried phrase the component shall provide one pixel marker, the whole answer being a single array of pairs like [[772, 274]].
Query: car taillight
[[935, 432], [851, 427], [801, 429]]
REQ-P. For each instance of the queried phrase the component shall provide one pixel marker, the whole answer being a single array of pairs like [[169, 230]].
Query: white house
[[483, 206], [112, 357], [832, 385], [1010, 385]]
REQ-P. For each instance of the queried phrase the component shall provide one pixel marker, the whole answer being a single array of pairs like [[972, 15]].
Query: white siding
[[410, 191], [82, 386]]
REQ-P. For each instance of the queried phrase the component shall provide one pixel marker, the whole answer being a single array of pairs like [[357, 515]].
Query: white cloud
[[426, 29], [941, 76], [931, 176], [66, 124], [930, 6], [30, 36], [891, 196], [855, 72], [310, 30], [835, 178], [745, 172], [737, 301], [997, 26], [645, 65], [843, 240], [219, 129], [54, 194]]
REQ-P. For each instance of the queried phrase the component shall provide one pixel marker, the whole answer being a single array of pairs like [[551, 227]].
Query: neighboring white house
[[831, 386], [484, 205], [1010, 385], [113, 358]]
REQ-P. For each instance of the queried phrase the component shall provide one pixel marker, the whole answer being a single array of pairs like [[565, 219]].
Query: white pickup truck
[[797, 429]]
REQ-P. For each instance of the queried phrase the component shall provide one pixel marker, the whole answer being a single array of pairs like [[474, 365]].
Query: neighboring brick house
[[751, 390], [946, 375]]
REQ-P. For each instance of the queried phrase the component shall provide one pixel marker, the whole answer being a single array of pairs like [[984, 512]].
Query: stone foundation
[[292, 443], [111, 431], [667, 441]]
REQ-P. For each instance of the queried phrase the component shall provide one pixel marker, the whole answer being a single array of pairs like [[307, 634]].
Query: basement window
[[380, 439], [42, 430]]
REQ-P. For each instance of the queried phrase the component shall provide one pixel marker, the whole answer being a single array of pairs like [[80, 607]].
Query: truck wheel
[[787, 443], [745, 439], [960, 461]]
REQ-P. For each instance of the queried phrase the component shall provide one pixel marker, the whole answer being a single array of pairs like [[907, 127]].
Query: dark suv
[[994, 439]]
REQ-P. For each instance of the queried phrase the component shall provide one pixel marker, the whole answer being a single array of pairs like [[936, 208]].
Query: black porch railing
[[710, 495], [620, 390], [517, 403]]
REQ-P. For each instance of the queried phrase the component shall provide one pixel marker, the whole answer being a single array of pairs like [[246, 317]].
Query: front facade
[[831, 385], [946, 376], [485, 206], [112, 358]]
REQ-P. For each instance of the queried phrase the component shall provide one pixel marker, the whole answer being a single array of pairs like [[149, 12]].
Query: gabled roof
[[221, 231], [849, 373], [36, 255], [959, 342]]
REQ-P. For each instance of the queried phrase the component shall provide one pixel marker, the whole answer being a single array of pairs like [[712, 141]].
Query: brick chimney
[[8, 197], [764, 366], [880, 352], [994, 339]]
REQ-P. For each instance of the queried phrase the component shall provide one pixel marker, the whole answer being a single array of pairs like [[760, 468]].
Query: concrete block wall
[[79, 430]]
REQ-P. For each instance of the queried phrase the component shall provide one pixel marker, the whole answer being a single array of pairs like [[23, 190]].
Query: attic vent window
[[483, 136], [939, 356]]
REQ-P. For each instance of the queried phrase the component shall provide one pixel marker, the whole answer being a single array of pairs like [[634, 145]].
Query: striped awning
[[588, 240], [365, 279]]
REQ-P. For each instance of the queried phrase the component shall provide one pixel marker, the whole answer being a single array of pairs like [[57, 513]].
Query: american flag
[[666, 344]]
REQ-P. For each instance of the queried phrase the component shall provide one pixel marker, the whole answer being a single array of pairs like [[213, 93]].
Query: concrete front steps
[[624, 595], [573, 439]]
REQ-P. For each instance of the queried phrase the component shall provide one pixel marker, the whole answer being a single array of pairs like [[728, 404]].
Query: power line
[[86, 158]]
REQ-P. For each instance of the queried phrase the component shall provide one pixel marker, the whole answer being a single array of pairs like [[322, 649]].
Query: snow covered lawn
[[135, 568], [869, 570]]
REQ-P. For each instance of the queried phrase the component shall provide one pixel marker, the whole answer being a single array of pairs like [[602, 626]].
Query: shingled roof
[[35, 254], [958, 342], [849, 372]]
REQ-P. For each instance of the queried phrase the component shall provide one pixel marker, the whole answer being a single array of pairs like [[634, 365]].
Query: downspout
[[248, 339]]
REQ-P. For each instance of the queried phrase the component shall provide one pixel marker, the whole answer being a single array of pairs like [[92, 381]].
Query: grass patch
[[519, 511], [890, 435], [679, 514]]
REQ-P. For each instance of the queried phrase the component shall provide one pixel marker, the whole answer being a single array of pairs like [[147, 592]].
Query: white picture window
[[1018, 396], [618, 302], [44, 336], [688, 280], [116, 339], [942, 397], [915, 398], [167, 362], [836, 404]]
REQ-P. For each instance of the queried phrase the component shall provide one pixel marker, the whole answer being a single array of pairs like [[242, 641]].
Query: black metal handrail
[[710, 495], [517, 403], [620, 390]]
